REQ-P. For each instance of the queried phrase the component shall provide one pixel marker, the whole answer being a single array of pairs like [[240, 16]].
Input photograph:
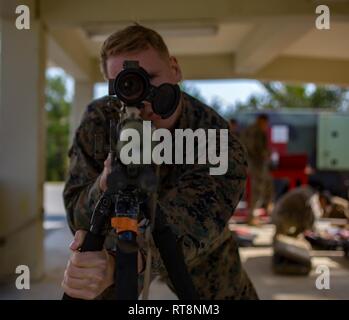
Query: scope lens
[[131, 87]]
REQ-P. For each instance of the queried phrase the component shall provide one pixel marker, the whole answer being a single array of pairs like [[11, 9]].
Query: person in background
[[298, 209], [255, 140]]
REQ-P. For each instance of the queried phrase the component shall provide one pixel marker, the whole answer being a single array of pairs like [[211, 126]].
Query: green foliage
[[57, 120], [192, 90], [279, 95]]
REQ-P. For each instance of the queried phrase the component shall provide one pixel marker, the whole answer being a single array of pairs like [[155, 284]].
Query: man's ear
[[175, 69]]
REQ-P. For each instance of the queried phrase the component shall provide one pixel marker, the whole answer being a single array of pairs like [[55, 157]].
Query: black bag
[[291, 256]]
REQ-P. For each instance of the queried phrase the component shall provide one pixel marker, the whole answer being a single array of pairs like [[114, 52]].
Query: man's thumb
[[78, 240], [107, 163]]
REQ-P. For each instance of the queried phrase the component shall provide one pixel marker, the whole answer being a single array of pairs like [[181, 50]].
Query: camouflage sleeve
[[199, 208], [81, 190]]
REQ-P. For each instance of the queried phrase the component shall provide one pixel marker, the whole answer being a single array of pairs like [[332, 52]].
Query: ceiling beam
[[68, 50], [307, 69], [267, 41], [285, 68], [81, 12]]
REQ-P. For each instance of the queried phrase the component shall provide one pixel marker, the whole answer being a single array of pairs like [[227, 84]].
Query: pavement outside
[[256, 261]]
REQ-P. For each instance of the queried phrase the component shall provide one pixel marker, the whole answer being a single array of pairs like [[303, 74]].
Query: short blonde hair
[[133, 38]]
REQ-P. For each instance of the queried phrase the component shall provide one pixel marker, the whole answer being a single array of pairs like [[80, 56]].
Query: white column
[[83, 95], [22, 141]]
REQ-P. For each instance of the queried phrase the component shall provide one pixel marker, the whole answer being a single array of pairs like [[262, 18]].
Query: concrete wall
[[22, 143]]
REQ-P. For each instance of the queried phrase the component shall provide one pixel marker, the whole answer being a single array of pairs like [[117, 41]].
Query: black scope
[[132, 86]]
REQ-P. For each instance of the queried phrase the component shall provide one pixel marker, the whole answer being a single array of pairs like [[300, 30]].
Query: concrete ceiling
[[191, 39], [261, 39], [333, 43]]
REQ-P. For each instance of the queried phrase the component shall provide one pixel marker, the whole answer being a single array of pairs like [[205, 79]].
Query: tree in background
[[191, 90], [216, 102], [280, 95], [57, 140]]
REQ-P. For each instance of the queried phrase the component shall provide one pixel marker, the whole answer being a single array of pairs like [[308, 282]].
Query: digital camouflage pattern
[[196, 204]]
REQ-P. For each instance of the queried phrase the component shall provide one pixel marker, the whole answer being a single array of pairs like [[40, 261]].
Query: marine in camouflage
[[256, 142], [293, 213], [197, 205]]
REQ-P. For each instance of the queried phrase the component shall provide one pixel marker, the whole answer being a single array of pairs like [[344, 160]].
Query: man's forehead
[[148, 59]]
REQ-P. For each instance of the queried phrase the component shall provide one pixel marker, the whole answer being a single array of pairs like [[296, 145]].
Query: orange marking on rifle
[[122, 224]]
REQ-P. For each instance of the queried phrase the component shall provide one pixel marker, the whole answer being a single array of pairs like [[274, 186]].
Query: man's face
[[160, 70], [263, 124]]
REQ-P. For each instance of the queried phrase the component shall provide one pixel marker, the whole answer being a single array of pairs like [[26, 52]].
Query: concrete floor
[[256, 261]]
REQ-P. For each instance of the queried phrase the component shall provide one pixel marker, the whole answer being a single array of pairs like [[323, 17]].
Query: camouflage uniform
[[256, 143], [297, 210], [196, 204], [293, 213]]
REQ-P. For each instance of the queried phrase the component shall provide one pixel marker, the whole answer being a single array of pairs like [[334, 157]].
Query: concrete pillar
[[83, 95], [22, 141]]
